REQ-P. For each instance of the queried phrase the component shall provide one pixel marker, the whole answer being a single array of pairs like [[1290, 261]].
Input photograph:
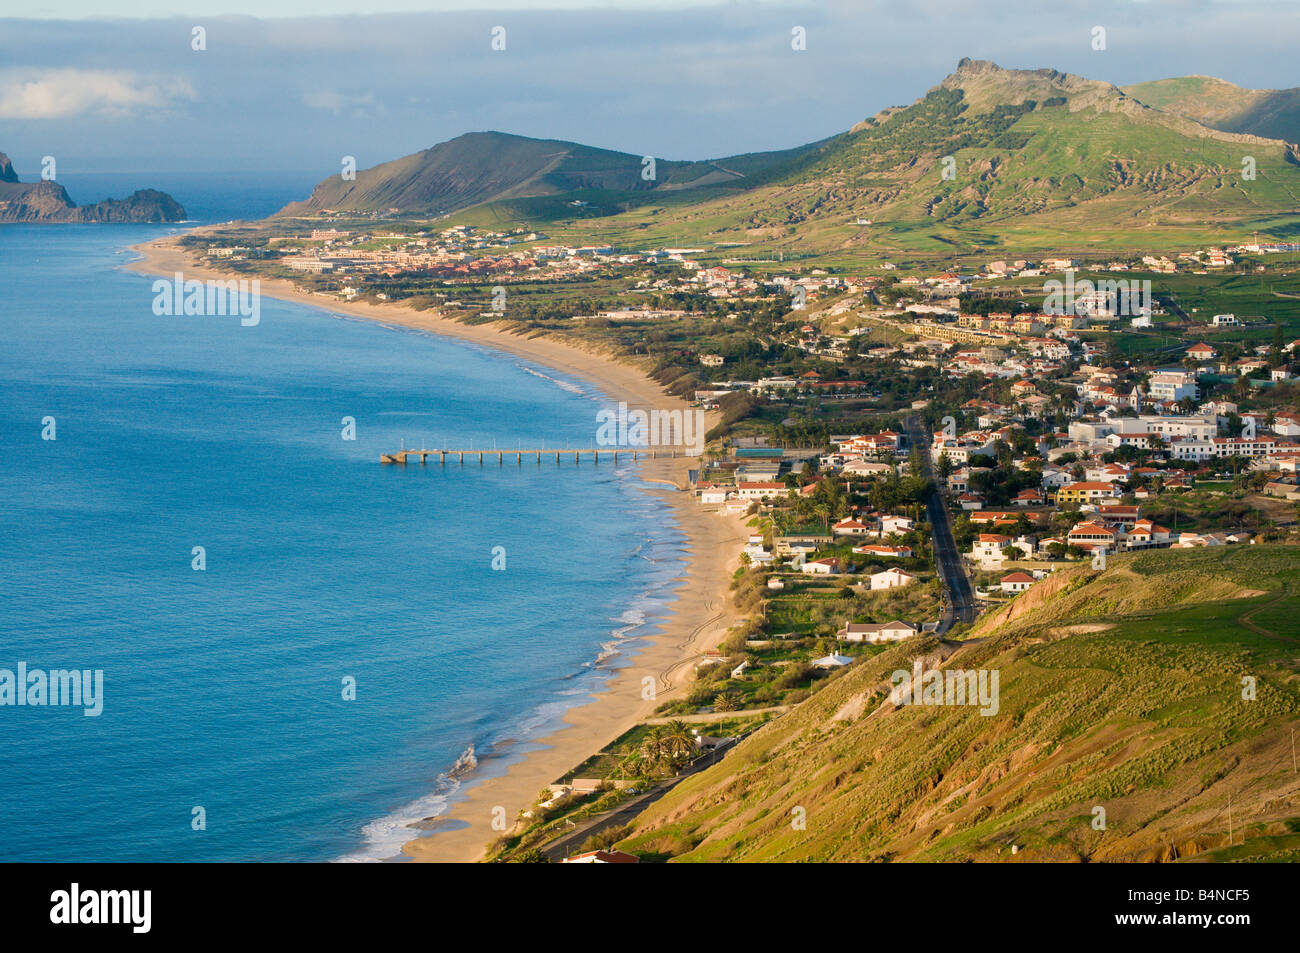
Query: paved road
[[568, 844], [960, 602], [712, 716]]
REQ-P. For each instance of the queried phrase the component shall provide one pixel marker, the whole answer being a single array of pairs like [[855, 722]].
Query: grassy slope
[[1120, 689], [534, 177], [1096, 172], [1044, 161], [1272, 113]]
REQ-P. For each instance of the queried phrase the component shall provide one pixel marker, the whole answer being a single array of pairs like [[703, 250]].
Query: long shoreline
[[698, 613]]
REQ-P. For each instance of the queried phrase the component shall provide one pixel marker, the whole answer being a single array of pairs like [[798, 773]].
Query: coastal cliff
[[49, 202]]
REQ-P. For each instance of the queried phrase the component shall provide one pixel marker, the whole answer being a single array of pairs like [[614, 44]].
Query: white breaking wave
[[466, 763], [631, 619], [383, 838], [544, 719], [563, 385]]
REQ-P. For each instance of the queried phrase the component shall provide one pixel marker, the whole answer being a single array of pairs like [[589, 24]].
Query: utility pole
[[1229, 820]]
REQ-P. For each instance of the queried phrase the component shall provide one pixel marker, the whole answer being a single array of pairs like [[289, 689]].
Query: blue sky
[[677, 79]]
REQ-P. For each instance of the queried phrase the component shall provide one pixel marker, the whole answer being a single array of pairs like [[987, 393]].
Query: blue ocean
[[224, 688]]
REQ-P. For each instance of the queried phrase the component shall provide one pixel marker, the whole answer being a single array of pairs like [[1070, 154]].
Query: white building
[[1016, 582], [894, 578], [821, 567], [761, 490], [850, 527], [894, 631], [1200, 449], [1173, 385], [834, 660], [895, 524]]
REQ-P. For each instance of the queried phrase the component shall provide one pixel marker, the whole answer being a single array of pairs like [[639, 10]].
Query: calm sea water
[[223, 688]]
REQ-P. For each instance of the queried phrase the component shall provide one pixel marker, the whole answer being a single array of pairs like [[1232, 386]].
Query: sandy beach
[[698, 618]]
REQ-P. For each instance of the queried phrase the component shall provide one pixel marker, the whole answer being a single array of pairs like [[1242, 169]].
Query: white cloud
[[67, 93], [339, 103]]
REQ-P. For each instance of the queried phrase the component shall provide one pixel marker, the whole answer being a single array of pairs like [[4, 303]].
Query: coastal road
[[568, 844], [959, 606], [711, 716]]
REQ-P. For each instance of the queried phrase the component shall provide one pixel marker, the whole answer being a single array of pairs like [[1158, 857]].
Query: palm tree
[[635, 766], [654, 745], [725, 702], [679, 743]]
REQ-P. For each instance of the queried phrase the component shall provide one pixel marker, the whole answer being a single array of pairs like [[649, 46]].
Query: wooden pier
[[404, 456]]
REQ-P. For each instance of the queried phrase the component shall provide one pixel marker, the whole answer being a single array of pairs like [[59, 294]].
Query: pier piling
[[402, 457]]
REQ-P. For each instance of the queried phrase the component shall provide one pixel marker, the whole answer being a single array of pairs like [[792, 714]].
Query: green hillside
[[1121, 690], [537, 176], [1273, 113], [990, 161], [1039, 160]]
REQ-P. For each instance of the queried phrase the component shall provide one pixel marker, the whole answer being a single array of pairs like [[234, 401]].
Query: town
[[1063, 412], [1067, 410]]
